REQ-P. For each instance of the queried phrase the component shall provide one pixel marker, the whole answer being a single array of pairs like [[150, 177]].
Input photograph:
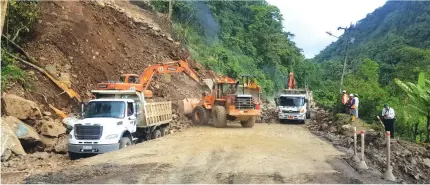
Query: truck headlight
[[302, 110], [112, 136]]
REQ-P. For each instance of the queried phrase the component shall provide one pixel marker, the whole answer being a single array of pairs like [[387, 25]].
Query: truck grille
[[290, 111], [244, 103], [90, 132]]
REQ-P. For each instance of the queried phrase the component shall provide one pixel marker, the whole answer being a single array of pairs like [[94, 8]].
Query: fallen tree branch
[[70, 92]]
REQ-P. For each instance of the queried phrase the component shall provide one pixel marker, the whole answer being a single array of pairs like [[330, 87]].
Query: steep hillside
[[394, 35], [236, 38], [86, 43], [391, 42]]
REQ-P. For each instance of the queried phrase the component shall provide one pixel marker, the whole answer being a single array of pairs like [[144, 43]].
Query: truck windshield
[[105, 109], [291, 101]]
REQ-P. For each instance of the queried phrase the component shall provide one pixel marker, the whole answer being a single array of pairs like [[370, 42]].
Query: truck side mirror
[[82, 109], [276, 101]]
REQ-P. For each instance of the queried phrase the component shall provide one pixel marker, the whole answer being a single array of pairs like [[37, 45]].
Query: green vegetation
[[392, 42], [20, 18], [236, 37]]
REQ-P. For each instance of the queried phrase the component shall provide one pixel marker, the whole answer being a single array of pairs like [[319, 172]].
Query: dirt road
[[267, 153]]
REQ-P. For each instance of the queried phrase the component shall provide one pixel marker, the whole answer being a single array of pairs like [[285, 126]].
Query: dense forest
[[236, 38]]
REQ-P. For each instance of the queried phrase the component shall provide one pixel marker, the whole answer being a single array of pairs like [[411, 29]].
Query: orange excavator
[[141, 83], [291, 81]]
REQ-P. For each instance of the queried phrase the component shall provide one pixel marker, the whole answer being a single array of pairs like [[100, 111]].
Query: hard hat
[[351, 95], [344, 91]]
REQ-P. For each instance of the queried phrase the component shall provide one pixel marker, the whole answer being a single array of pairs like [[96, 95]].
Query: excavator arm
[[168, 67], [141, 83]]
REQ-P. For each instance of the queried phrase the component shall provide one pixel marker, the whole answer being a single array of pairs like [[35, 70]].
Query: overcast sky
[[310, 19]]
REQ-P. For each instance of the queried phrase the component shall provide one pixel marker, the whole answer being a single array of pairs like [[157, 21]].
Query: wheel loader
[[231, 100]]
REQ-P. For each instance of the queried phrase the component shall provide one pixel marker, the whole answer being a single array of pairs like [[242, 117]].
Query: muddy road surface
[[267, 153]]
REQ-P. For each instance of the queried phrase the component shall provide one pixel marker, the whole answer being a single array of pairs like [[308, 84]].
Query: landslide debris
[[410, 161], [83, 43]]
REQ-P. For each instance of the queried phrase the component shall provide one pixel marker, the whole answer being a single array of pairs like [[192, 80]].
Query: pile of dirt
[[84, 43], [268, 112], [410, 161]]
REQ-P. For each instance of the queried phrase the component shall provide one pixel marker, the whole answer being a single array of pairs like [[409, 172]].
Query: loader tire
[[200, 116], [248, 123], [220, 117]]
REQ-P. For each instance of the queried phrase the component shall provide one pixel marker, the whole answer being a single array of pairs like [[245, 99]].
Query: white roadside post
[[388, 175], [362, 165], [355, 157]]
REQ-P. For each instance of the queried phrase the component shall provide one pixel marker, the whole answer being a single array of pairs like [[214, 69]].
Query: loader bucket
[[186, 106], [207, 85]]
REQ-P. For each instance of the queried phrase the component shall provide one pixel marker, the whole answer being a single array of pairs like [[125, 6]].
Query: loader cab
[[129, 78]]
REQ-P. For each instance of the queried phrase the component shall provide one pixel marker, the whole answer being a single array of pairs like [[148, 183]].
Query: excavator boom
[[141, 83]]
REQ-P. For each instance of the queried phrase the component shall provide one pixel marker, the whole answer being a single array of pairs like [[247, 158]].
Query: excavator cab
[[129, 78]]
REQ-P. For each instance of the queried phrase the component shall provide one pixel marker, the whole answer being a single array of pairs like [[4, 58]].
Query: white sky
[[310, 19]]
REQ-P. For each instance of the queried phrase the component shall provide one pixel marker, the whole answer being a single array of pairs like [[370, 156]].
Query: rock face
[[52, 129], [21, 108]]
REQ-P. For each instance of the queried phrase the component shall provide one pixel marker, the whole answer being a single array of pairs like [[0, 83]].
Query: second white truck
[[117, 119], [294, 104]]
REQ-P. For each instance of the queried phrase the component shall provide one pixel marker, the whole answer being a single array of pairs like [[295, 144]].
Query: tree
[[419, 94]]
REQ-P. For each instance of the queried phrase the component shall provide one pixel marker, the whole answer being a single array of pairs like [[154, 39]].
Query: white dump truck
[[294, 104], [116, 119]]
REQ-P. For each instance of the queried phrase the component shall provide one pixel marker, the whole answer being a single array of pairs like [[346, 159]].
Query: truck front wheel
[[74, 156], [220, 117], [124, 142], [248, 123]]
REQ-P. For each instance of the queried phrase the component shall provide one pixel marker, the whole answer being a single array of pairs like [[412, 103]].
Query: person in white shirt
[[388, 116]]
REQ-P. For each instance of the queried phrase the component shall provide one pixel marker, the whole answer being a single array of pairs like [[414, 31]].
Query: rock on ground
[[21, 108], [22, 130], [61, 145], [9, 140], [52, 128]]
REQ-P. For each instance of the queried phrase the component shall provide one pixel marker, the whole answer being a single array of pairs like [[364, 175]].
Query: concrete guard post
[[388, 175], [355, 156], [362, 164]]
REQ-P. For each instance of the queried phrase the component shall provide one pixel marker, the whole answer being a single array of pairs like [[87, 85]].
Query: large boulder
[[52, 129], [9, 141], [62, 144], [22, 131], [21, 108]]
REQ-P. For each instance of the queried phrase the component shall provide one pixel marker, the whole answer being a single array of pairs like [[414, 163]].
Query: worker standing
[[345, 101], [388, 116], [354, 107], [356, 104]]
